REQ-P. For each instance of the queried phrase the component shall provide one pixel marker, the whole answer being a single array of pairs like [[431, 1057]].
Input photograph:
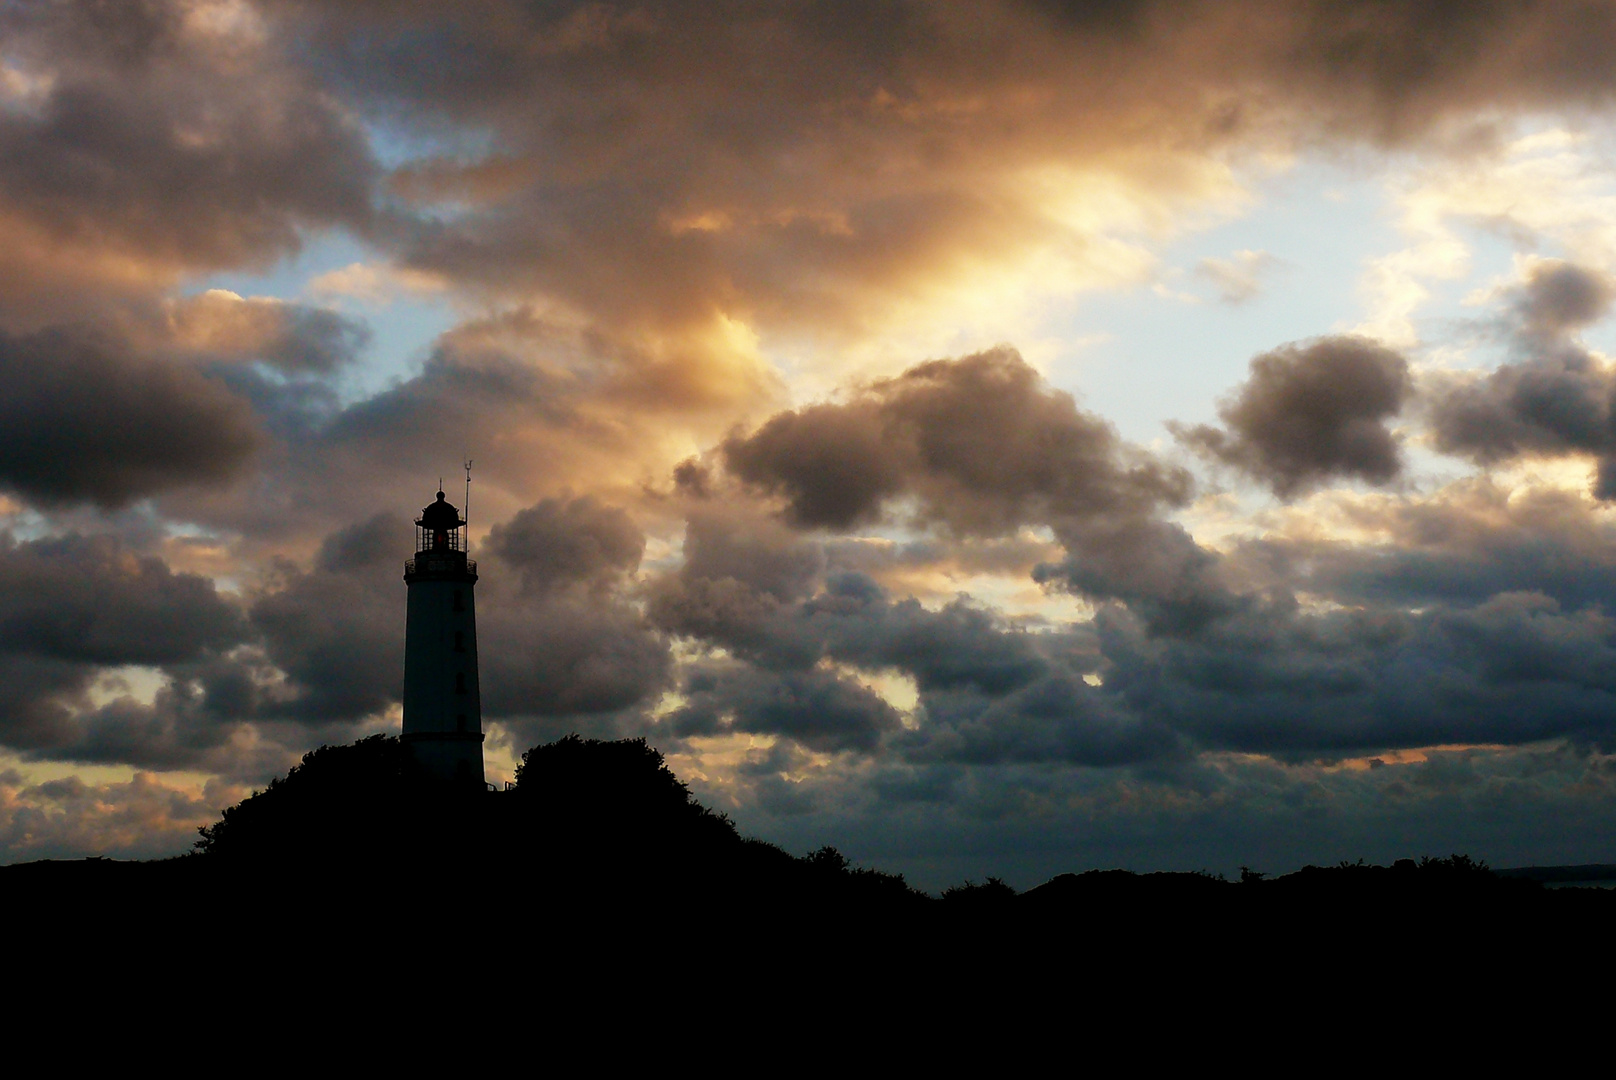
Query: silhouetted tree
[[339, 803], [1455, 864], [992, 893], [621, 791]]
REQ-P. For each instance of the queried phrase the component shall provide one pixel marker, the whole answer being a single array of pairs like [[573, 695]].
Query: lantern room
[[438, 528]]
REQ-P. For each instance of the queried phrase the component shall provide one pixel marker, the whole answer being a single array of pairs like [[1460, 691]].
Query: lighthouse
[[443, 725]]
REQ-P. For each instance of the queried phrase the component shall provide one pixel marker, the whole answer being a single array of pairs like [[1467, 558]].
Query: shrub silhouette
[[339, 803], [992, 893], [602, 786], [600, 828]]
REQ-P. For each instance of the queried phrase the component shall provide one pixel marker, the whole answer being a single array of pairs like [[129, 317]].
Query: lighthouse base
[[448, 758]]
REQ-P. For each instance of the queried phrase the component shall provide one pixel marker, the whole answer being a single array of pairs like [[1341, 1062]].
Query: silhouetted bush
[[598, 830], [990, 894], [340, 803], [596, 786]]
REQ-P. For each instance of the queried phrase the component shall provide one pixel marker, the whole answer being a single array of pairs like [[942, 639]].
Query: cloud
[[661, 166], [567, 659], [90, 599], [294, 338], [1456, 547], [1554, 397], [1476, 619], [646, 204], [817, 709], [561, 642], [143, 817], [147, 425], [76, 605], [982, 446], [558, 542], [1058, 718], [160, 144], [1559, 298], [1311, 413], [337, 631], [1236, 279], [982, 441], [375, 283]]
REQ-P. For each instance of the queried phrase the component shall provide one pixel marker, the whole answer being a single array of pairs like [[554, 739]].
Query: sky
[[991, 438]]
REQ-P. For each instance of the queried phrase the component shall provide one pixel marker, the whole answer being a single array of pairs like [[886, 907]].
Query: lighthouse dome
[[440, 515]]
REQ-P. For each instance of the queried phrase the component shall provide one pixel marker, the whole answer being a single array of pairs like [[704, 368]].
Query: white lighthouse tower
[[443, 724]]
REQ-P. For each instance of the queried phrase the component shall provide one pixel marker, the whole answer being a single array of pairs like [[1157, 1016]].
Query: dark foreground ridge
[[599, 860]]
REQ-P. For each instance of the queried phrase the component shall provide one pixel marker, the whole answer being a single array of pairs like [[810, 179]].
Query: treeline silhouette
[[589, 826], [600, 859]]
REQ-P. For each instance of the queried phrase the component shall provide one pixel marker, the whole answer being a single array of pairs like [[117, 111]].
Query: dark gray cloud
[[1311, 413], [1553, 397], [568, 657], [1058, 718], [987, 691], [83, 420], [817, 709], [741, 572], [804, 163], [1476, 616], [1515, 669], [983, 447], [960, 646], [337, 631], [983, 441], [90, 599], [1471, 541], [1478, 619], [1559, 297], [646, 169], [296, 339], [833, 464], [152, 139], [560, 645], [562, 542], [74, 606], [943, 823]]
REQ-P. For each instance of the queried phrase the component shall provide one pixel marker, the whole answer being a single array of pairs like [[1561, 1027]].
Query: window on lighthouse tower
[[460, 682]]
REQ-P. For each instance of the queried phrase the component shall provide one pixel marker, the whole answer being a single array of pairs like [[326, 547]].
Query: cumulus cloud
[[143, 817], [982, 441], [562, 645], [817, 709], [559, 542], [567, 659], [644, 202], [1554, 396], [1058, 718], [75, 606], [337, 630], [983, 446], [147, 425], [294, 338], [1310, 413], [158, 144], [798, 167]]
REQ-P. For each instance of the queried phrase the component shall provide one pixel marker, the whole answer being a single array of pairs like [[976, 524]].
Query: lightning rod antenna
[[468, 504]]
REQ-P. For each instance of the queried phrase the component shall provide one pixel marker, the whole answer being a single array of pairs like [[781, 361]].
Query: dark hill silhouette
[[600, 859], [590, 826]]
